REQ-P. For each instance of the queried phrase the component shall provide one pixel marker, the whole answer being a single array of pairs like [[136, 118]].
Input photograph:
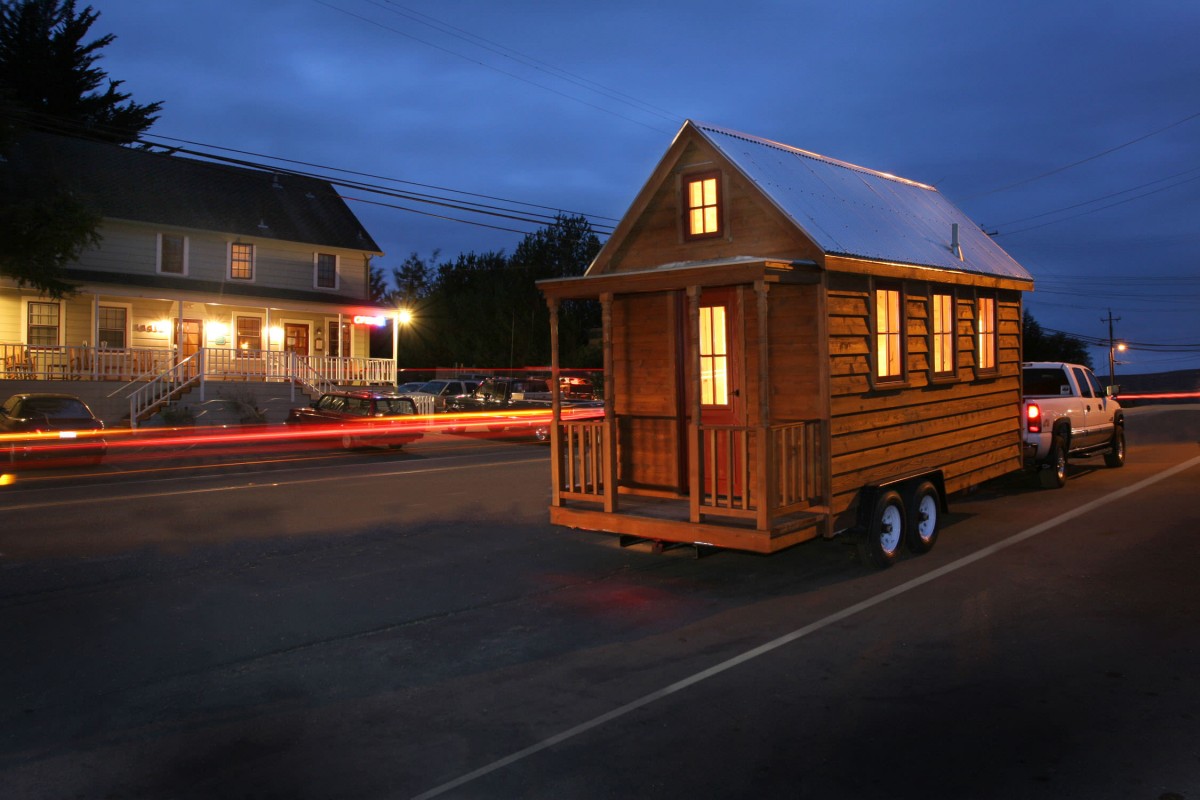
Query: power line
[[1102, 153], [485, 65]]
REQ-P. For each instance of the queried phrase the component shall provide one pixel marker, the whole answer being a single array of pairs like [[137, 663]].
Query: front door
[[188, 337], [721, 407], [295, 338]]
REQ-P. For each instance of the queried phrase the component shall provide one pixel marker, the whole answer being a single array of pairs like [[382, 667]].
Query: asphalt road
[[408, 625]]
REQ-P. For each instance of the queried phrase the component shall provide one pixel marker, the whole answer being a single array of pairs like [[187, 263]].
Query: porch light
[[404, 316], [217, 330], [276, 334]]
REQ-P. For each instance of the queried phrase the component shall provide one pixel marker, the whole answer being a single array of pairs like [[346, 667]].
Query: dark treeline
[[484, 310]]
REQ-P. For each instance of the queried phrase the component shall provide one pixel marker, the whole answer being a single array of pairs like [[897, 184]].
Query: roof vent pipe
[[955, 247]]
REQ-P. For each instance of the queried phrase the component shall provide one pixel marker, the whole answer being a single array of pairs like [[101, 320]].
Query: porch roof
[[680, 275], [211, 293]]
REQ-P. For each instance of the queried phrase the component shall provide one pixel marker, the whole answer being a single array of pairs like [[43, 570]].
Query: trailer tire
[[879, 544], [924, 517], [1053, 474]]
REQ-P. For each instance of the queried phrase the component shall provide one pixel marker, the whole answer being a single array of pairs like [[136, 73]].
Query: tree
[[49, 81], [1036, 345], [49, 78]]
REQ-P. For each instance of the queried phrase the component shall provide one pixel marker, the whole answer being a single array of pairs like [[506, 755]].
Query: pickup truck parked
[[1068, 414]]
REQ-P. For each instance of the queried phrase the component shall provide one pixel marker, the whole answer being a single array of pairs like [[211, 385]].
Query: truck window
[[1049, 381], [1097, 389], [1085, 388]]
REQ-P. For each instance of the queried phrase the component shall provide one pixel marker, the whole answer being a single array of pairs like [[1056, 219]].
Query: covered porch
[[708, 437]]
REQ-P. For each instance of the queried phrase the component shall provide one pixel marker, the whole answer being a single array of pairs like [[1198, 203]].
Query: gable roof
[[143, 186], [851, 211]]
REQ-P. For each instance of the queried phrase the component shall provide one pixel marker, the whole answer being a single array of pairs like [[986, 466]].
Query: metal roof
[[852, 211]]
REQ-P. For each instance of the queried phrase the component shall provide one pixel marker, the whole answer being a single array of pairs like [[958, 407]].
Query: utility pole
[[1112, 347]]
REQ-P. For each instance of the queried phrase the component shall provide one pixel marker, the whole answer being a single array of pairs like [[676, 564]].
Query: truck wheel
[[1116, 456], [879, 544], [924, 518], [349, 442], [1053, 474]]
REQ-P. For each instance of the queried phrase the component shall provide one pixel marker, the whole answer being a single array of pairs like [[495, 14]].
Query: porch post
[[695, 488], [395, 349], [95, 335], [766, 455], [555, 408], [610, 416]]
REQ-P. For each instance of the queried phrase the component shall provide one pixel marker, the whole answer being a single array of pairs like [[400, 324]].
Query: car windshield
[[54, 408]]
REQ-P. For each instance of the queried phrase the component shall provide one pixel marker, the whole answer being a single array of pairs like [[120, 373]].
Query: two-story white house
[[205, 272]]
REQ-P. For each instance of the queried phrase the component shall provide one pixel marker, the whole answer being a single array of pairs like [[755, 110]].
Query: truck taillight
[[1033, 418]]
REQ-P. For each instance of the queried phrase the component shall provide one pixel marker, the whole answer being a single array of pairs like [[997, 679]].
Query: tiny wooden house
[[793, 346]]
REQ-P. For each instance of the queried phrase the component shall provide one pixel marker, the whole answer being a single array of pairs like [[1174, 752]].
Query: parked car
[[55, 426], [364, 417], [411, 386], [434, 397]]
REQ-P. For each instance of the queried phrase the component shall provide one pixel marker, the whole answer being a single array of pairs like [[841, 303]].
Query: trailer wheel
[[879, 544], [1116, 457], [1053, 475], [924, 518]]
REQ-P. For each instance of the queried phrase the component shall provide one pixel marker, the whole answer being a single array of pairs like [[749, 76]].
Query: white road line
[[800, 633], [96, 501]]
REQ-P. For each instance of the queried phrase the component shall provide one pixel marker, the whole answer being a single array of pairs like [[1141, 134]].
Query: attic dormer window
[[702, 195]]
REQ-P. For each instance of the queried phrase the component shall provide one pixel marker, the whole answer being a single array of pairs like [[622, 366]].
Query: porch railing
[[736, 479], [736, 476], [581, 446], [71, 362]]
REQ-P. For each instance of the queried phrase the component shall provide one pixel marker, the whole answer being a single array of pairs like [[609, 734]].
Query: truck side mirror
[[1113, 390]]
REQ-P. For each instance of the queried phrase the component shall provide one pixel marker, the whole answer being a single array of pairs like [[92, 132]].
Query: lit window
[[703, 206], [889, 328], [326, 266], [241, 262], [942, 332], [172, 254], [249, 333], [111, 326], [42, 325], [985, 332], [714, 357]]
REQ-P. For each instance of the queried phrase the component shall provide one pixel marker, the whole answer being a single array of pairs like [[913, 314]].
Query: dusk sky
[[1070, 129]]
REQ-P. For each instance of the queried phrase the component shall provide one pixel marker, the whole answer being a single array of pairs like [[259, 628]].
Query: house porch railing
[[736, 476], [154, 377]]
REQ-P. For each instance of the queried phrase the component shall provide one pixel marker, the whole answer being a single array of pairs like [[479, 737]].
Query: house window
[[889, 334], [714, 357], [985, 334], [703, 195], [326, 271], [241, 262], [42, 324], [249, 333], [172, 254], [942, 333], [111, 326]]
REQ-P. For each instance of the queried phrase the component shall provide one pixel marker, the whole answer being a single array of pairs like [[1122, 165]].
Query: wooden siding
[[645, 396], [752, 226], [967, 427]]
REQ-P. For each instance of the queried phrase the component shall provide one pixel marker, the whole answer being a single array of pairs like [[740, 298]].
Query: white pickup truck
[[1067, 414]]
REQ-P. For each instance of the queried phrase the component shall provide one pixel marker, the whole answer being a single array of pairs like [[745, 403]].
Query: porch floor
[[667, 520]]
